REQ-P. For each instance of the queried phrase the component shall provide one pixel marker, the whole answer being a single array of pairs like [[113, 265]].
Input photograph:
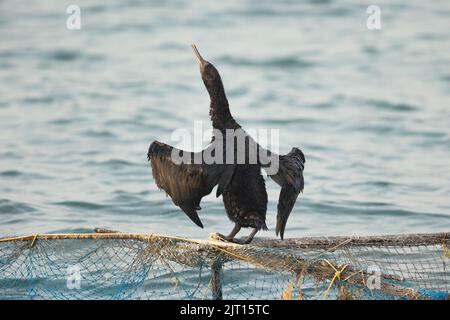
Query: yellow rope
[[299, 285], [118, 235], [238, 256], [34, 240], [445, 250], [337, 275]]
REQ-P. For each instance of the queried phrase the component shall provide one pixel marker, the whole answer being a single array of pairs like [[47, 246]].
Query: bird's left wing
[[186, 182]]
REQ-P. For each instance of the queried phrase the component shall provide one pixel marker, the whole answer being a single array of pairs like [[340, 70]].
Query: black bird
[[241, 184]]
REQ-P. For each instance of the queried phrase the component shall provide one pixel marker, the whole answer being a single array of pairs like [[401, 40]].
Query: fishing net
[[139, 266]]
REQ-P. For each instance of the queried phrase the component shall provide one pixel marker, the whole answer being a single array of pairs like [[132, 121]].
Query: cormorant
[[241, 184]]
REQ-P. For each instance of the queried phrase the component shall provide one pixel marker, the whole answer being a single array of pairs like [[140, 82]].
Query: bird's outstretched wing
[[186, 182], [290, 179]]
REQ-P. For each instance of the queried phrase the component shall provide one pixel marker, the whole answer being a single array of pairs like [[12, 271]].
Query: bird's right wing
[[289, 177], [185, 182]]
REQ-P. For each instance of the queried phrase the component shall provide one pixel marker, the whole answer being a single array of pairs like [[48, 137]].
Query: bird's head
[[209, 73]]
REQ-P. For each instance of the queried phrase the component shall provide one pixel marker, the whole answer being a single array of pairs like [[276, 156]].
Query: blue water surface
[[369, 108]]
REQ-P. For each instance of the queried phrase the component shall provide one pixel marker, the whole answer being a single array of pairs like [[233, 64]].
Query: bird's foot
[[221, 237], [245, 240], [224, 238]]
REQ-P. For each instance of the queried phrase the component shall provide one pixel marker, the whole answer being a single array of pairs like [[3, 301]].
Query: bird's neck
[[219, 109]]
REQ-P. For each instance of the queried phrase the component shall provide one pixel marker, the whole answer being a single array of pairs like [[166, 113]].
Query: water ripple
[[14, 207], [80, 205], [282, 62], [66, 55], [386, 105]]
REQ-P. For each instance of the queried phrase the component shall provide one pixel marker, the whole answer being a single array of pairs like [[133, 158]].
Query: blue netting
[[124, 266]]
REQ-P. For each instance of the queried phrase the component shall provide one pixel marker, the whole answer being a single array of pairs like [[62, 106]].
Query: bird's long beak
[[201, 61]]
